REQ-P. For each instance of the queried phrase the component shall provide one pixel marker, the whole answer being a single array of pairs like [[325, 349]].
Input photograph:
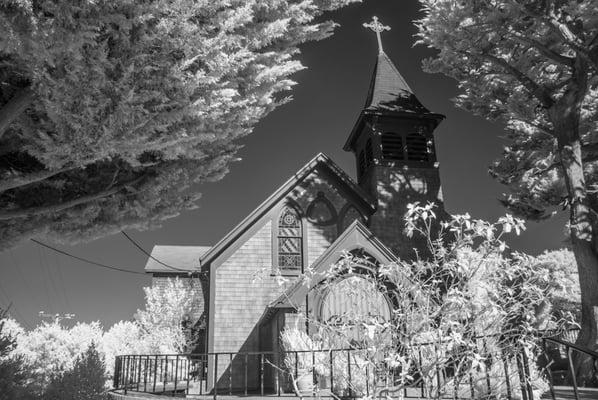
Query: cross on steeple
[[377, 27]]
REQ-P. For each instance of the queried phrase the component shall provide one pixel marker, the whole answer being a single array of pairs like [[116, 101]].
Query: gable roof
[[320, 160], [182, 259], [355, 236]]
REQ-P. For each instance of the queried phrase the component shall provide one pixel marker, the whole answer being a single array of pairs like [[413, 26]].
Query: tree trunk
[[11, 110], [583, 224]]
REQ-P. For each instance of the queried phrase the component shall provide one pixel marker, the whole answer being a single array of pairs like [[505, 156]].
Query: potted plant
[[299, 357]]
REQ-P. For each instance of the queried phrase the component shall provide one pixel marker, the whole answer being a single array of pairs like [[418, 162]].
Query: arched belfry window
[[417, 147], [392, 146], [290, 240]]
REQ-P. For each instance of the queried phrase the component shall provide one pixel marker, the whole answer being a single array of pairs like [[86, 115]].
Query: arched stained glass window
[[290, 237]]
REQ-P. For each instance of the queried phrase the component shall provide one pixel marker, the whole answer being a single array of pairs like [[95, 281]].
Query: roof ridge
[[280, 192]]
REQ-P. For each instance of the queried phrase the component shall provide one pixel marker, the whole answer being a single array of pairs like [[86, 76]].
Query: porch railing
[[340, 372], [556, 349]]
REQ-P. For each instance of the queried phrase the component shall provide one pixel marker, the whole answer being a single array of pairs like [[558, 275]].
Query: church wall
[[395, 189], [245, 283], [320, 235], [243, 289]]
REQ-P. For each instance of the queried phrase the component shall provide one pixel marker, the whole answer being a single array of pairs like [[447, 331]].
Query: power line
[[63, 286], [13, 307], [152, 257], [50, 274], [86, 260], [44, 280], [15, 265]]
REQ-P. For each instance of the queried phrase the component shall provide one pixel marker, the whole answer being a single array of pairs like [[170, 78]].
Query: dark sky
[[327, 100]]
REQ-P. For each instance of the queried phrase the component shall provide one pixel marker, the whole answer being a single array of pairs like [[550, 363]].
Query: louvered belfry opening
[[392, 146], [417, 147]]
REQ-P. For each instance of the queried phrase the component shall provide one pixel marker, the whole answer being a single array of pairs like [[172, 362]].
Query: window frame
[[276, 269]]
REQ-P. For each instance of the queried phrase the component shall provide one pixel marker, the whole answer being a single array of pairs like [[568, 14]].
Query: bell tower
[[393, 144]]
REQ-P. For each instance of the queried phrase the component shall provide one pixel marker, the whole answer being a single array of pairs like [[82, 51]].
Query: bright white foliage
[[162, 318], [51, 348], [532, 66]]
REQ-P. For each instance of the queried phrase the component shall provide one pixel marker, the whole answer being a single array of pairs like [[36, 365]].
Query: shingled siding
[[320, 237], [244, 285], [244, 288], [395, 189]]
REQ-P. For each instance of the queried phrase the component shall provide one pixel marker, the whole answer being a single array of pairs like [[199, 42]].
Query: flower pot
[[305, 382]]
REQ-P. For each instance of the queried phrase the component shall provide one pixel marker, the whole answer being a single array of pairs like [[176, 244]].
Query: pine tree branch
[[561, 29], [589, 155], [7, 215], [544, 50], [536, 90], [31, 178], [15, 106]]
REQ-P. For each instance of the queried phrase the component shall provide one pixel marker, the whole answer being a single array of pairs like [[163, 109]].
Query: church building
[[309, 221]]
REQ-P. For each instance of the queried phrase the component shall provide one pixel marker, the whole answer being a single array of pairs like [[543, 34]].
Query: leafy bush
[[86, 381], [452, 312], [14, 374]]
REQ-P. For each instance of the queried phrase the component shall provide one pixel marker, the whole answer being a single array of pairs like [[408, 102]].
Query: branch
[[538, 91], [31, 178], [561, 29], [589, 155], [554, 56], [15, 106], [6, 215]]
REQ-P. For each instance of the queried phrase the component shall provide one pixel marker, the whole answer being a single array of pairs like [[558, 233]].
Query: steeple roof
[[390, 95], [389, 91]]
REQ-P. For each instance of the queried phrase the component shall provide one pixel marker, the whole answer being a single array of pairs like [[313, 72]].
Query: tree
[[532, 65], [110, 111], [86, 381], [122, 338], [167, 308], [14, 374], [50, 350], [561, 269]]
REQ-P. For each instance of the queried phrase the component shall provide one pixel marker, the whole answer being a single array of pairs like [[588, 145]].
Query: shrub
[[14, 374], [86, 381], [468, 286]]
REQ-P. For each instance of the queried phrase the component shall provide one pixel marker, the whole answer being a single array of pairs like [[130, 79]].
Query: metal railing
[[571, 373], [347, 373]]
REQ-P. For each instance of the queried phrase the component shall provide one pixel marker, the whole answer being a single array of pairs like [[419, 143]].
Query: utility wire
[[50, 274], [152, 257], [86, 260], [15, 265], [63, 286], [11, 306], [45, 281]]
